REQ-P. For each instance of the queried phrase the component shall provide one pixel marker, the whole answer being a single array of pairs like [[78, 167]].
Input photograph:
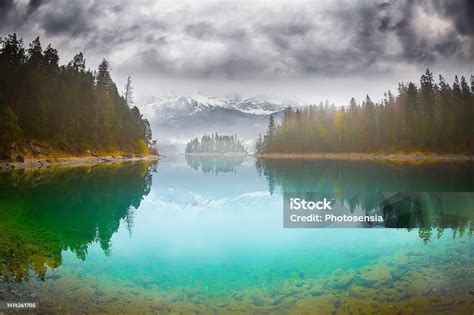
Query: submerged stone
[[376, 275], [344, 280], [419, 287]]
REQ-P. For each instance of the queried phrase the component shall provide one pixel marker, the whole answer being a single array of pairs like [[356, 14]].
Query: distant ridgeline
[[67, 107], [215, 144], [430, 117]]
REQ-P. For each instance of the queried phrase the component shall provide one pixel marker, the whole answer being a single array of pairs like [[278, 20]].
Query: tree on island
[[432, 117], [215, 143], [65, 106]]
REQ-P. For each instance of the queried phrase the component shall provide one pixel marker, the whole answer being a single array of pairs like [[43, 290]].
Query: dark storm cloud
[[8, 12], [13, 14], [461, 12], [71, 18], [226, 40], [5, 7], [33, 5]]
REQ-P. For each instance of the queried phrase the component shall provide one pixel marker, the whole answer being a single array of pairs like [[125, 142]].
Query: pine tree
[[259, 143], [128, 94], [431, 117], [9, 126], [68, 104]]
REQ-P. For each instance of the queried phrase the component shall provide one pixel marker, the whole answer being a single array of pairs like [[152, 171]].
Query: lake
[[205, 234]]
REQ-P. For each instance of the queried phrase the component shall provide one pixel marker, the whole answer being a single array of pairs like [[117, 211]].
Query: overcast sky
[[307, 51]]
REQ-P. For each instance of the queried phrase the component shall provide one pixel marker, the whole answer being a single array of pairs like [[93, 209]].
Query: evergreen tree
[[67, 106], [259, 143], [432, 117], [128, 93], [9, 127], [215, 144]]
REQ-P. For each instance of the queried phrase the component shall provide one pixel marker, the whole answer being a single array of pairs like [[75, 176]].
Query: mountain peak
[[170, 105]]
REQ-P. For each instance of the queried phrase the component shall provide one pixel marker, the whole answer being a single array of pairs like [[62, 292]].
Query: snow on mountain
[[177, 118], [171, 105], [257, 106]]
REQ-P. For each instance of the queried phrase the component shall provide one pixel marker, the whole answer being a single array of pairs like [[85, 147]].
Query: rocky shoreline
[[34, 163], [416, 157]]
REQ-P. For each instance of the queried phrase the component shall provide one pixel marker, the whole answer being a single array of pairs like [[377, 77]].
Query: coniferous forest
[[215, 144], [429, 116], [67, 106]]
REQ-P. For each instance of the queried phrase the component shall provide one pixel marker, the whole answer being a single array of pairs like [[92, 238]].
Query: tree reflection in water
[[215, 164], [430, 197], [46, 211]]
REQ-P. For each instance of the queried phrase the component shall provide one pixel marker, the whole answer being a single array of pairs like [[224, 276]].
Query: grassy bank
[[397, 157]]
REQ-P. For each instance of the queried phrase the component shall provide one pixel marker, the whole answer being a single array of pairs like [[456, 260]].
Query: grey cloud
[[217, 40], [33, 5], [5, 7], [71, 18], [13, 14], [461, 12], [201, 30]]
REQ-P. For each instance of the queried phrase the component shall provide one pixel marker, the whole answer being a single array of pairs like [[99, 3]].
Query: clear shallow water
[[205, 235]]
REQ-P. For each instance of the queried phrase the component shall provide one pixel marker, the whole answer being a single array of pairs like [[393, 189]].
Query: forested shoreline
[[429, 117], [65, 108]]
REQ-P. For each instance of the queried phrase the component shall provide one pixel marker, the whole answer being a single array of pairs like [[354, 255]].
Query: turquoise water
[[206, 235]]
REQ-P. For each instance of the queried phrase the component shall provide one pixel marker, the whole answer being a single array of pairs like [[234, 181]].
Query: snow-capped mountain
[[172, 105], [256, 105], [177, 118]]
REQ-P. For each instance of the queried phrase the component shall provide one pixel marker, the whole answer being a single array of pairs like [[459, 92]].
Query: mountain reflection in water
[[211, 239]]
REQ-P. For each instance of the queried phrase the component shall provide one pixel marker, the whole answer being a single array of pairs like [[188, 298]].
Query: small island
[[215, 144]]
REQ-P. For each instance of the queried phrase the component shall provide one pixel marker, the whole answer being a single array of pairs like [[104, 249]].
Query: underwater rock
[[99, 292], [190, 293], [258, 300], [397, 273], [419, 287], [376, 275], [358, 291], [239, 296], [84, 293], [285, 300], [344, 280], [316, 290], [352, 305], [324, 304], [403, 261], [66, 283], [146, 281]]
